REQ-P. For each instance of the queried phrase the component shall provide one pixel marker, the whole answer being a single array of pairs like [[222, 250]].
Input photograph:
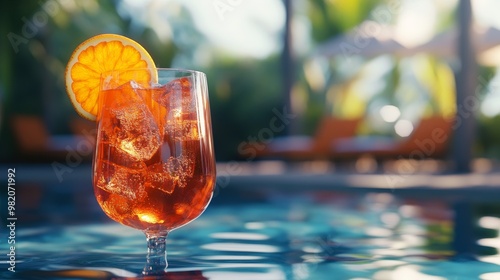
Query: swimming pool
[[265, 233]]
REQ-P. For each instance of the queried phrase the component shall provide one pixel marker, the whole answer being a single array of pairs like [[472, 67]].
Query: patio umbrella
[[484, 41], [370, 39]]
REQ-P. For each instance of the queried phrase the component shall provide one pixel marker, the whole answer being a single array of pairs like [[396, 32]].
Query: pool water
[[265, 234]]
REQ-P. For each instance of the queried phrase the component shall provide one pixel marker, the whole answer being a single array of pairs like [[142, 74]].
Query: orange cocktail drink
[[151, 170], [154, 164]]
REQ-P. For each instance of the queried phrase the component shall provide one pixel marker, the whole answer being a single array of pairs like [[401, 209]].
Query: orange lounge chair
[[430, 139], [330, 129], [36, 144]]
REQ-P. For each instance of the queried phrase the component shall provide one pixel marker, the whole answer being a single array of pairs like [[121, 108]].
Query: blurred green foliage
[[330, 18], [489, 137], [243, 95], [243, 91]]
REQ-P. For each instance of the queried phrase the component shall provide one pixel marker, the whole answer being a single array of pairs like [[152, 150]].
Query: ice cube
[[117, 205], [182, 130], [117, 156], [132, 127], [138, 133], [120, 180], [155, 85], [176, 96], [172, 173], [159, 178], [123, 96]]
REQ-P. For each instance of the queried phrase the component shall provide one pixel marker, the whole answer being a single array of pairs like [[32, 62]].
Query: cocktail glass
[[154, 166]]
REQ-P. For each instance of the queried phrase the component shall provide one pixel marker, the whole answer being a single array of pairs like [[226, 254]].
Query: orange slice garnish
[[97, 55]]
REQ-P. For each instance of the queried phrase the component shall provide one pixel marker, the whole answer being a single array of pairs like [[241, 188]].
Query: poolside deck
[[482, 184]]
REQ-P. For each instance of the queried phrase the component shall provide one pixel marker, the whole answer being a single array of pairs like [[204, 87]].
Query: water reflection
[[276, 274], [239, 235], [305, 236], [490, 276], [109, 274]]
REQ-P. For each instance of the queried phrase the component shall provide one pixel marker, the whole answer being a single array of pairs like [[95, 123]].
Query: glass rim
[[156, 69]]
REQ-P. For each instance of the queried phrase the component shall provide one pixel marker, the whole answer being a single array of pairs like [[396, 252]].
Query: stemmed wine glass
[[154, 166]]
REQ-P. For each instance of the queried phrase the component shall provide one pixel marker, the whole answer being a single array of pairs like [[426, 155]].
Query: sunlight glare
[[491, 103], [403, 128], [413, 272], [411, 27], [241, 28], [241, 247], [390, 113], [247, 28], [239, 236], [489, 222], [490, 276], [271, 273], [486, 12]]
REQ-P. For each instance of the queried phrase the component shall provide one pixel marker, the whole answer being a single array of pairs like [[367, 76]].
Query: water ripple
[[261, 241]]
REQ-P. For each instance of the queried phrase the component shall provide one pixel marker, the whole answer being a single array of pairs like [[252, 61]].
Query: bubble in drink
[[180, 169]]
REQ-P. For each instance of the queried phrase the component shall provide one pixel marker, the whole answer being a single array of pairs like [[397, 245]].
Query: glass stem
[[156, 260]]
